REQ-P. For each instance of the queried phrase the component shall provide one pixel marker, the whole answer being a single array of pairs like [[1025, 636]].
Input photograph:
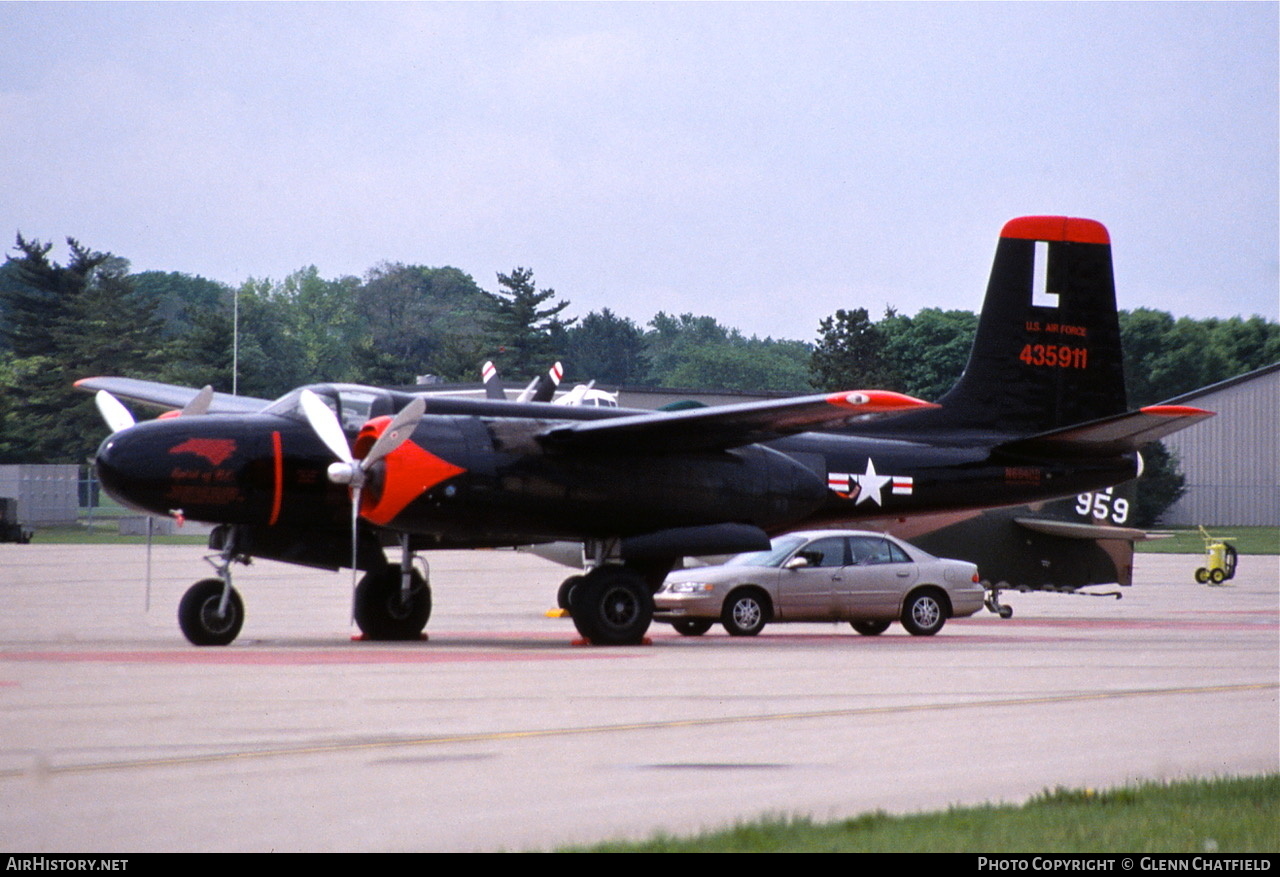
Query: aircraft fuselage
[[464, 481]]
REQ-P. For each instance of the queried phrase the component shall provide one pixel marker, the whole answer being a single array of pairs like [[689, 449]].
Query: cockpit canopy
[[355, 404]]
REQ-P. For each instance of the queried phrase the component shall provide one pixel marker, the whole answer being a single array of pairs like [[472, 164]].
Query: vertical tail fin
[[493, 388], [1047, 351]]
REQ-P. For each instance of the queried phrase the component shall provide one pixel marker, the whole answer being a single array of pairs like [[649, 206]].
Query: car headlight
[[689, 587]]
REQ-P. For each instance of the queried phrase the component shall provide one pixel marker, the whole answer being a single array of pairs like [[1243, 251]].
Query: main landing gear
[[394, 603], [612, 604]]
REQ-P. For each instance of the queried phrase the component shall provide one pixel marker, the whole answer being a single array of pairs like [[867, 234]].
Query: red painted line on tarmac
[[287, 657], [1111, 624]]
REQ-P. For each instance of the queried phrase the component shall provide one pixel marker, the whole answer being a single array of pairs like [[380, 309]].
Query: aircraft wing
[[170, 396], [727, 426], [1111, 435]]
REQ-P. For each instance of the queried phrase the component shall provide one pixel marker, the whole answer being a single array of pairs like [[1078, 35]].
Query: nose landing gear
[[211, 611]]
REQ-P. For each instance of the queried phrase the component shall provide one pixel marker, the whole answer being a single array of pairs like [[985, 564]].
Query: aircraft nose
[[128, 473]]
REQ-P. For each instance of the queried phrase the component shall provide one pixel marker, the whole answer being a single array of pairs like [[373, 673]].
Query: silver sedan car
[[868, 579]]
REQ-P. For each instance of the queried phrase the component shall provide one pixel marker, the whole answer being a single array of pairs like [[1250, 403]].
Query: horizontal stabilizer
[[728, 426], [1110, 436], [1072, 530], [170, 396]]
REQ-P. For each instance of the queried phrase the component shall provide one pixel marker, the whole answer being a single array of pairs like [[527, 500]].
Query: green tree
[[419, 320], [1166, 357], [524, 331], [928, 352], [606, 348], [739, 367], [851, 354], [181, 298], [1161, 485], [671, 340], [63, 323]]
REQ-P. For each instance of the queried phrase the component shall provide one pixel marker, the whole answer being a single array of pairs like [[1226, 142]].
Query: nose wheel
[[211, 613]]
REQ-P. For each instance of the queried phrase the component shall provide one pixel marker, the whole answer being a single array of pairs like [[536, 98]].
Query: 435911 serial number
[[1055, 355]]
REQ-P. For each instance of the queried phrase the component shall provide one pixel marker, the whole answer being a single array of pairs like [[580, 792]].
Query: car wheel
[[745, 613], [870, 628], [691, 626], [924, 613]]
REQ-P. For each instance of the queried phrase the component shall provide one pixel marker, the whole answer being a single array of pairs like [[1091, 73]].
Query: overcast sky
[[762, 163]]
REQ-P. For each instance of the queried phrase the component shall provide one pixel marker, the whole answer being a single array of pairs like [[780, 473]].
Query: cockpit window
[[352, 404]]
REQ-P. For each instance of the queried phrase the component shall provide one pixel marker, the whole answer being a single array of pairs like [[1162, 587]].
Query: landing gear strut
[[993, 604], [612, 605], [211, 611]]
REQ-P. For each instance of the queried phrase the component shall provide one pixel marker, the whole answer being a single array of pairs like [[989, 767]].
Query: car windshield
[[780, 549]]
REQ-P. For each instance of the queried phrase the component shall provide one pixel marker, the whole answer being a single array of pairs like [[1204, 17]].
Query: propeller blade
[[113, 411], [400, 428], [199, 403], [325, 424]]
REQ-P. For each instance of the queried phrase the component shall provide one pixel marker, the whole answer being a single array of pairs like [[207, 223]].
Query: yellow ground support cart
[[1220, 560]]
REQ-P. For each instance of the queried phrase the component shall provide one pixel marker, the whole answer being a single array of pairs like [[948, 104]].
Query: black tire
[[1202, 575], [924, 613], [1217, 576], [381, 611], [746, 612], [200, 620], [691, 626], [612, 606], [564, 596], [870, 628]]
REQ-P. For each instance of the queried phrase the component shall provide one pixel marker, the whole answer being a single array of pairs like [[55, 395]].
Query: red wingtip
[[1056, 228], [877, 400], [1176, 411]]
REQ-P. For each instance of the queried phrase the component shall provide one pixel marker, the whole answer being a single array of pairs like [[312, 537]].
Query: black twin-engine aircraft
[[329, 474]]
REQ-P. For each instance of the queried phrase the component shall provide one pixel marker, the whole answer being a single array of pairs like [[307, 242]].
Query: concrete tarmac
[[497, 732]]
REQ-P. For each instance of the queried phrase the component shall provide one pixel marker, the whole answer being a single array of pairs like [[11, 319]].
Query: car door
[[808, 593], [874, 584]]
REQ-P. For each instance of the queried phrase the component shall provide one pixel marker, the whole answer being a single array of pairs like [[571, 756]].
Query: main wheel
[[564, 596], [691, 626], [924, 613], [612, 606], [745, 613], [1217, 576], [384, 613], [1202, 575], [199, 618], [870, 628]]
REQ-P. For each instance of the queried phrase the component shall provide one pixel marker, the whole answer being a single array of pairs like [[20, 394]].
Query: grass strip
[[1224, 815]]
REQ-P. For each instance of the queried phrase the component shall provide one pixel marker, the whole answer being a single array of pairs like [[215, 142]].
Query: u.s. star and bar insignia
[[869, 485]]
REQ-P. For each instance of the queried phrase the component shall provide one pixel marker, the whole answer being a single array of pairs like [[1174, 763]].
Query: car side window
[[896, 554], [825, 552], [868, 549]]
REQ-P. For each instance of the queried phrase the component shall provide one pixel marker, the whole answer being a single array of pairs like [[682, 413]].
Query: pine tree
[[525, 335]]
